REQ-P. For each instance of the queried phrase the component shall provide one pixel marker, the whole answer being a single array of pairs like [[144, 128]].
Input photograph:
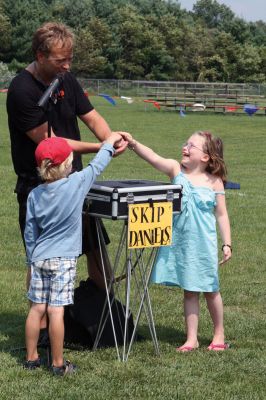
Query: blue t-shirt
[[54, 210]]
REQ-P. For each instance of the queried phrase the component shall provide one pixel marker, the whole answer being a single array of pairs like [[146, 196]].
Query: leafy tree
[[158, 63], [141, 49], [211, 69], [262, 66], [89, 50], [105, 8], [129, 32], [221, 17], [197, 46], [258, 33], [214, 14], [248, 65], [158, 8], [25, 17], [227, 50], [239, 30], [5, 34], [142, 39], [5, 75], [170, 32], [74, 16]]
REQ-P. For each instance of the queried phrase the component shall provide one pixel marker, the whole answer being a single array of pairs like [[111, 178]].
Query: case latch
[[170, 195], [130, 198]]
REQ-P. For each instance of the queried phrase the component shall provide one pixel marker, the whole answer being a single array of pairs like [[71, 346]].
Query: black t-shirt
[[24, 115]]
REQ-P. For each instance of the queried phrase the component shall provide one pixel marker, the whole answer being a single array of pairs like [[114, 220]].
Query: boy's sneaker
[[32, 364], [67, 369]]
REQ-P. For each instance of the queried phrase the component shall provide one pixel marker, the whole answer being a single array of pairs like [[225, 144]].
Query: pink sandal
[[218, 347]]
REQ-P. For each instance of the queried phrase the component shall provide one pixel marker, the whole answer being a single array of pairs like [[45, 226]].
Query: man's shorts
[[52, 281], [89, 233]]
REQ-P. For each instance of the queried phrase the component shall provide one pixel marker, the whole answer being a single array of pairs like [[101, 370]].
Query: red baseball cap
[[55, 149]]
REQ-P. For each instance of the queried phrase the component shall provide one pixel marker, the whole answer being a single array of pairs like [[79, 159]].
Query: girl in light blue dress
[[191, 261]]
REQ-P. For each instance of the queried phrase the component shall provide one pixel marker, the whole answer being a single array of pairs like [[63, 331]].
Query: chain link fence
[[174, 89], [156, 89]]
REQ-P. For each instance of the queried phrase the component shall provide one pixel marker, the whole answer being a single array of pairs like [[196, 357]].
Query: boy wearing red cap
[[53, 241]]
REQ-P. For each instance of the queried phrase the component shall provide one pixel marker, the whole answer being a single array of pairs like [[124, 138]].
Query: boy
[[53, 240]]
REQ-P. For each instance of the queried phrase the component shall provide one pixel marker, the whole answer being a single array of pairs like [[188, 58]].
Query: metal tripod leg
[[127, 293], [141, 291], [104, 315], [102, 247], [145, 277]]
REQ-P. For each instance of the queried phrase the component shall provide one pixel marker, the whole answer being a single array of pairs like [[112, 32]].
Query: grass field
[[237, 374]]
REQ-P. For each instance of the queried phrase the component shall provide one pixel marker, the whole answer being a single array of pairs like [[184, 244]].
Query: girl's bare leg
[[191, 311], [215, 307]]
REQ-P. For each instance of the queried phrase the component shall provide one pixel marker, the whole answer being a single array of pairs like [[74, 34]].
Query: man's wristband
[[227, 245]]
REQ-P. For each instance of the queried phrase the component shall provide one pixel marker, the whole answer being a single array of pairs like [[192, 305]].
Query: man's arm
[[41, 132], [97, 124]]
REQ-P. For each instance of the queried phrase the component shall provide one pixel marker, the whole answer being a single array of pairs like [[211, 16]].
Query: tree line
[[142, 39]]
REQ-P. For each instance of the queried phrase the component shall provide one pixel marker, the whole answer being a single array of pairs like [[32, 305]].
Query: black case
[[110, 199]]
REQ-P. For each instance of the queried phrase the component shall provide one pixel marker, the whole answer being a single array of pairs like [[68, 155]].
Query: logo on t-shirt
[[58, 95]]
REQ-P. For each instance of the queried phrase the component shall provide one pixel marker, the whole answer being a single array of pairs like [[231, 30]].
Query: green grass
[[238, 374]]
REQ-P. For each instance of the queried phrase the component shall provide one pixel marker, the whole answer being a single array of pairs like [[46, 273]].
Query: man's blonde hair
[[49, 172], [50, 34]]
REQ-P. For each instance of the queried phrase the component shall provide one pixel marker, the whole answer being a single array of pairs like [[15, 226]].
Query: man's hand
[[121, 146], [114, 139]]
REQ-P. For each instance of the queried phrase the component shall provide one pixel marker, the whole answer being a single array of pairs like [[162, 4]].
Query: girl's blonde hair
[[213, 146], [50, 172]]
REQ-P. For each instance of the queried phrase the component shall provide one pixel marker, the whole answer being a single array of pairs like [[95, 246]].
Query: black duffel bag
[[82, 318]]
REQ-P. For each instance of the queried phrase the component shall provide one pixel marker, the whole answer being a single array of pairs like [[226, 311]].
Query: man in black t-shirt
[[25, 118], [52, 47]]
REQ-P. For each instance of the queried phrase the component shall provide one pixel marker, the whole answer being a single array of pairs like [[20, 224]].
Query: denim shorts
[[52, 281]]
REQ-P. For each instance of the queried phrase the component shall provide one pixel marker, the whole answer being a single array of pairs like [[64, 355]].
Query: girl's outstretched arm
[[166, 165]]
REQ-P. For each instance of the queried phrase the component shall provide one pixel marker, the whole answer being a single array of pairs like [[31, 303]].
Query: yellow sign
[[150, 225]]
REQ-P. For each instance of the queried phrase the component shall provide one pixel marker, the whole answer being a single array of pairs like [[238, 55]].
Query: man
[[52, 47]]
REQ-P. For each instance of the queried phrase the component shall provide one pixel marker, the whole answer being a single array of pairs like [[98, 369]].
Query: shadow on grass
[[167, 334], [12, 337]]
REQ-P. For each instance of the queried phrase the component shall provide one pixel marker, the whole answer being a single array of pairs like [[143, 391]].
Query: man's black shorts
[[89, 234]]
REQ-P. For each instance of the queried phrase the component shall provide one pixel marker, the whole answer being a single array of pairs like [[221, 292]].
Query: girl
[[191, 262]]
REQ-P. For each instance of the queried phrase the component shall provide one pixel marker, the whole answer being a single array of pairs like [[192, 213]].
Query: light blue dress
[[191, 261]]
